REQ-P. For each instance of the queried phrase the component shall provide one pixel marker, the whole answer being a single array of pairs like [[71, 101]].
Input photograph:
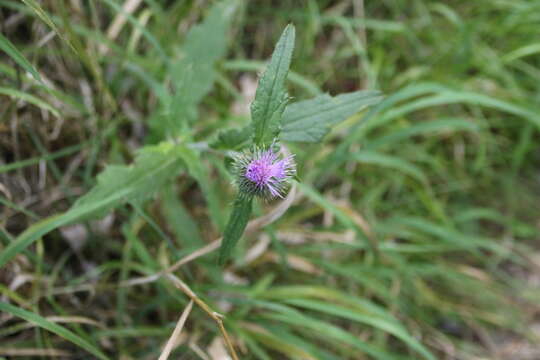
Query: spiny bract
[[263, 172]]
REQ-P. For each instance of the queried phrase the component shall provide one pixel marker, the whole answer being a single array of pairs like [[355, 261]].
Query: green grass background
[[414, 233]]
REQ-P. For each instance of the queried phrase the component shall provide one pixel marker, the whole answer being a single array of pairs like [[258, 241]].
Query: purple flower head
[[264, 173]]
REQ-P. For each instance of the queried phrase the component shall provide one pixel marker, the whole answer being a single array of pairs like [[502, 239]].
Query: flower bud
[[263, 173]]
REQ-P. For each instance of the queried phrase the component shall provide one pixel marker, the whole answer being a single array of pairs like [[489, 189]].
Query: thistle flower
[[263, 173]]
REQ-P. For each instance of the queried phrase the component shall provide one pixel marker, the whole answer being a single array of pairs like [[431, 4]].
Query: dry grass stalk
[[169, 346]]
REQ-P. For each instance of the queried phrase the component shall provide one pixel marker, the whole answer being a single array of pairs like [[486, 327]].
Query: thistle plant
[[444, 268], [260, 170], [263, 173]]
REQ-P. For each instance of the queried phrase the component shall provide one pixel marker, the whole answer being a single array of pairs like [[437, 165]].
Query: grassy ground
[[412, 233]]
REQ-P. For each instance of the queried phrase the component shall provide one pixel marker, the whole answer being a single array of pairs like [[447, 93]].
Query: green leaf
[[19, 58], [68, 150], [140, 27], [390, 327], [204, 45], [340, 215], [179, 219], [231, 139], [327, 295], [194, 74], [527, 50], [235, 227], [258, 66], [118, 184], [468, 97], [393, 162], [271, 96], [42, 14], [33, 233], [426, 95], [310, 120], [444, 233], [198, 171], [438, 126], [322, 329], [52, 327], [29, 99], [274, 342]]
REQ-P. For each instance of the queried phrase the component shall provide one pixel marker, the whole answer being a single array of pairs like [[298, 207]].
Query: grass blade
[[381, 323], [52, 327], [394, 162], [19, 58], [42, 14], [30, 99]]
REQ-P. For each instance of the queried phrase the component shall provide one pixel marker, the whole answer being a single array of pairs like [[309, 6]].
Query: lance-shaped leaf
[[205, 44], [194, 73], [271, 97], [196, 169], [118, 184], [232, 139], [310, 120], [236, 226]]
